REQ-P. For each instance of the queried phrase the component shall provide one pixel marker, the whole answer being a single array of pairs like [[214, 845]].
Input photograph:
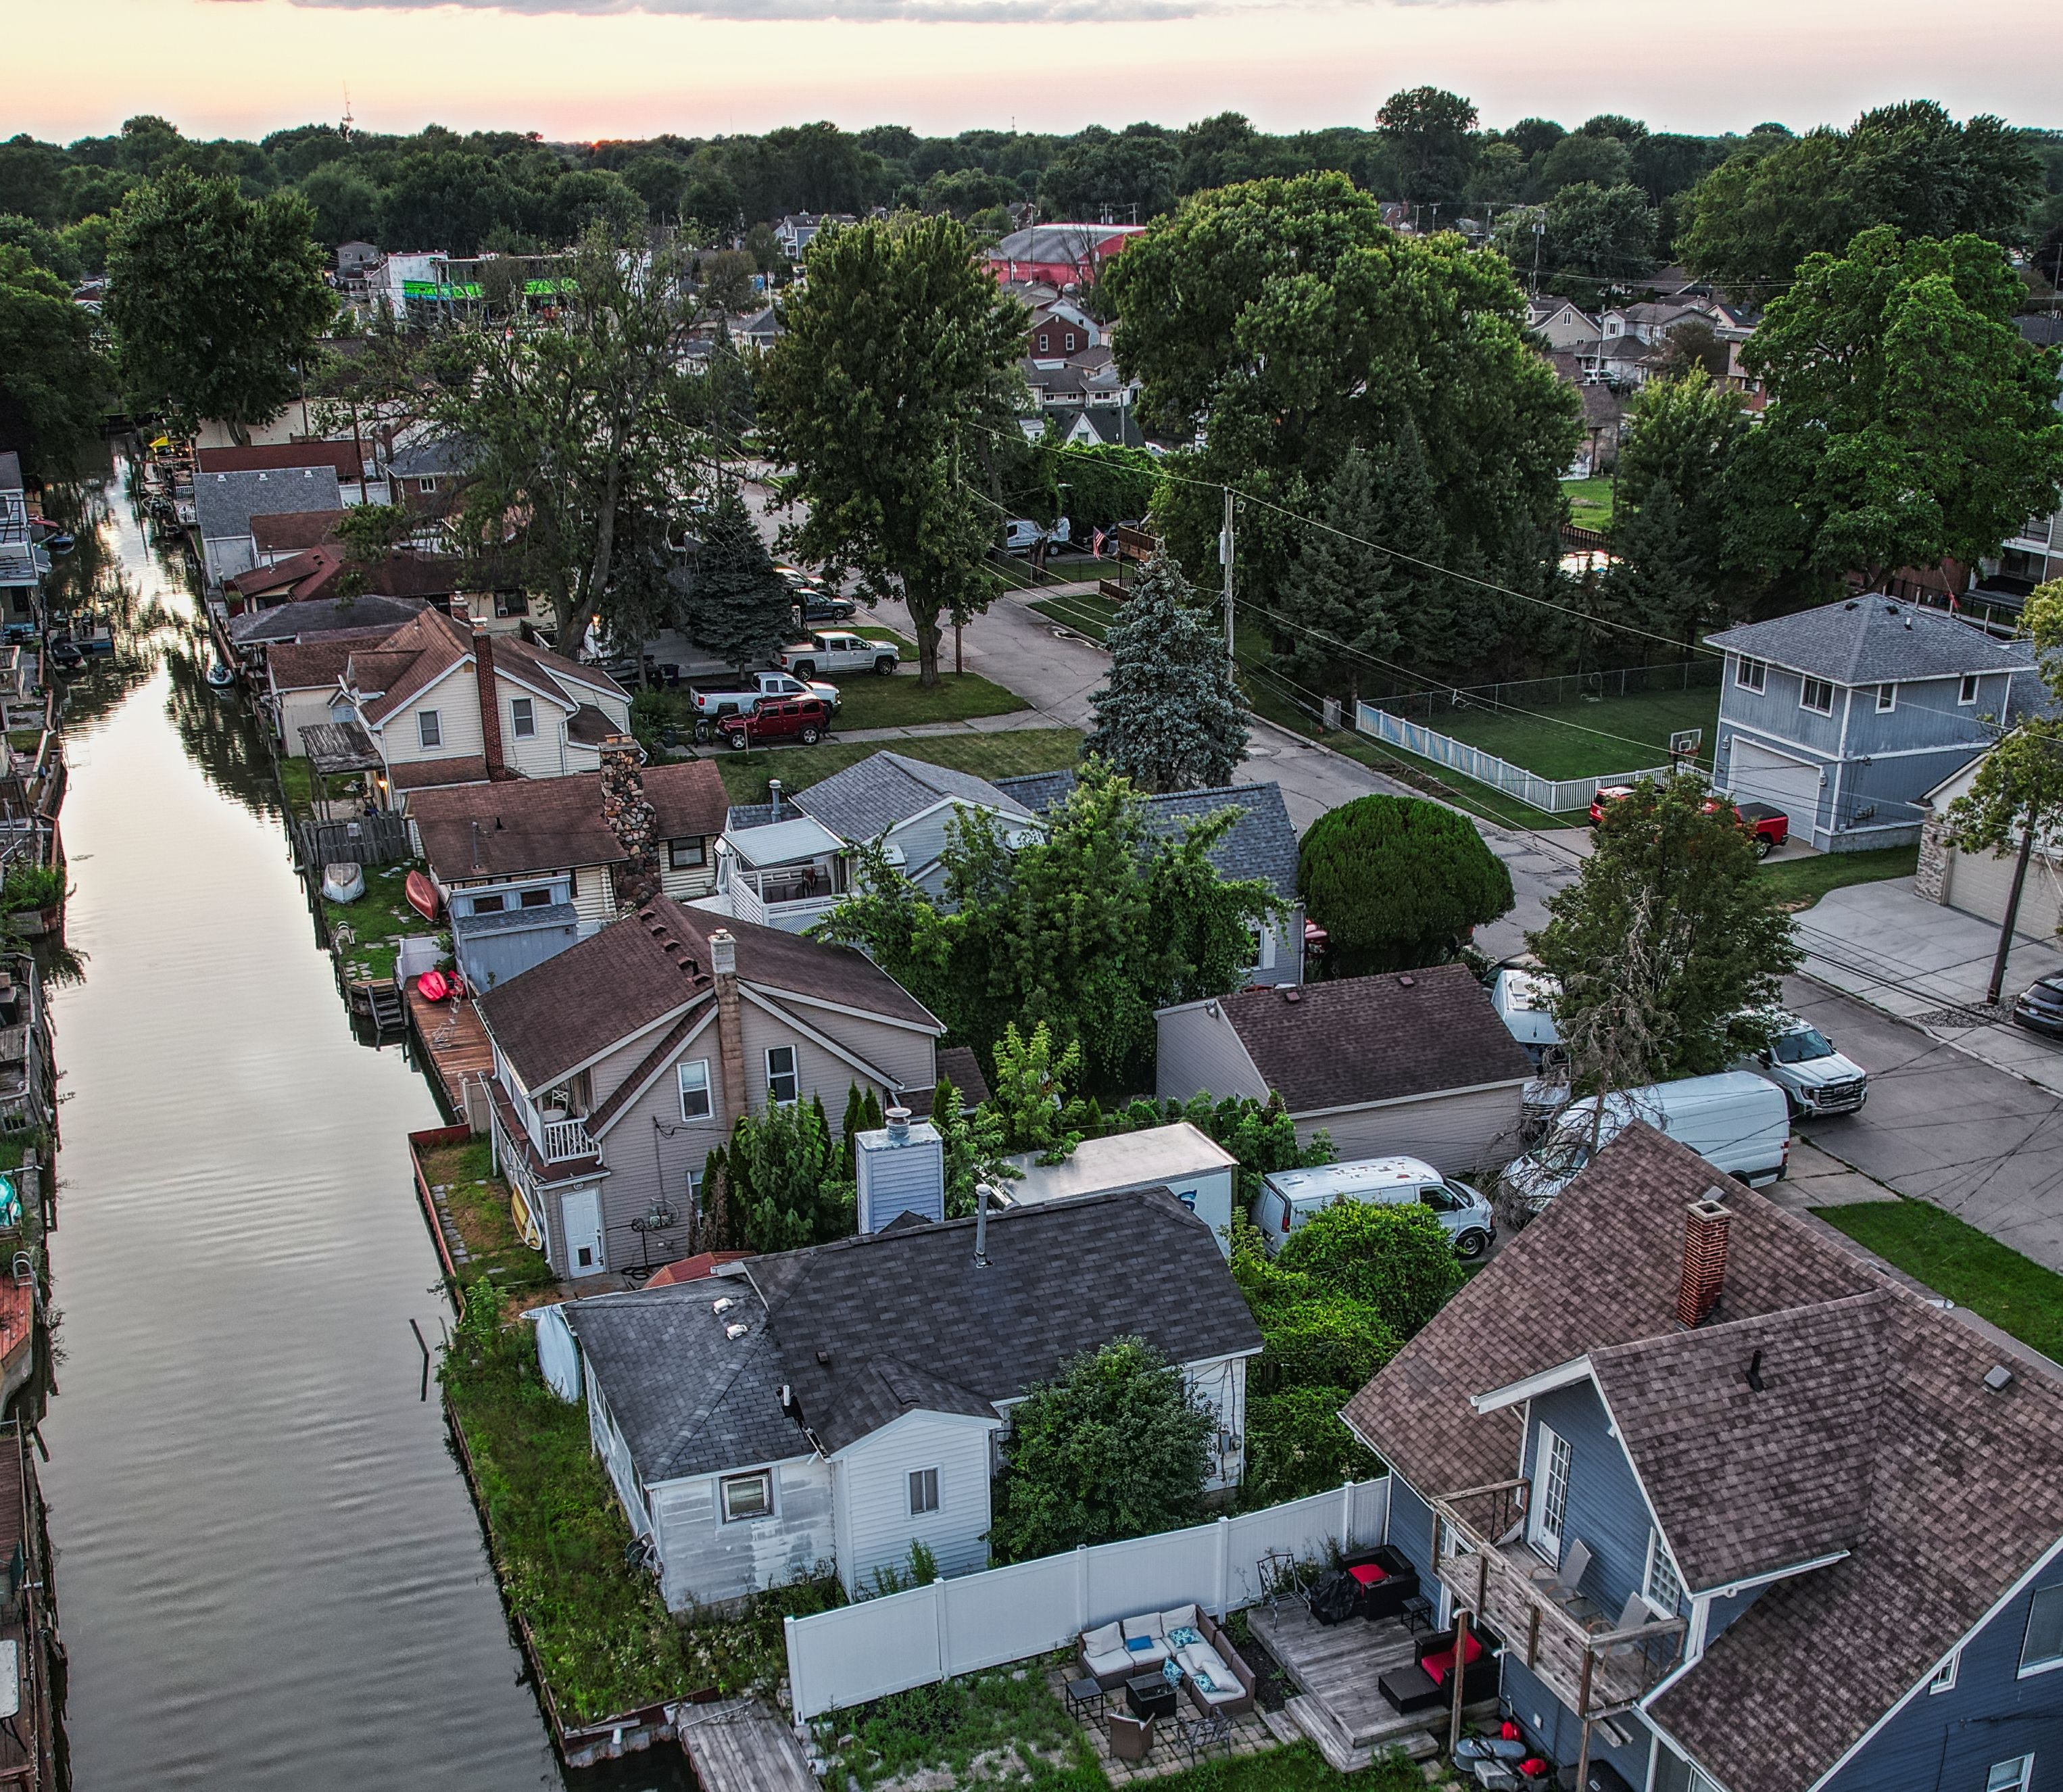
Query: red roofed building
[[1064, 254]]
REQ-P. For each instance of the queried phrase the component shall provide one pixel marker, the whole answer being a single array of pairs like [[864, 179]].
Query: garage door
[[1758, 775], [1979, 884]]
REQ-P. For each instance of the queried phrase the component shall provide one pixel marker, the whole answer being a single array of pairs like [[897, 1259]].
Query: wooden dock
[[453, 1039], [743, 1747]]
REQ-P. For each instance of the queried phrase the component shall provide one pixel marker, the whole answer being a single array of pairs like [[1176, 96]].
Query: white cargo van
[[1290, 1197], [1735, 1121]]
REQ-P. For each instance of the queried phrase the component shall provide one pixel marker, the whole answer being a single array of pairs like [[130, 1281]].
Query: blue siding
[[1606, 1509], [1411, 1531], [1724, 1611], [1560, 1732], [1947, 1742]]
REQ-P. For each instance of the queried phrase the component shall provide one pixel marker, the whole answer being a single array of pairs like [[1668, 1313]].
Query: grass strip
[[1802, 882]]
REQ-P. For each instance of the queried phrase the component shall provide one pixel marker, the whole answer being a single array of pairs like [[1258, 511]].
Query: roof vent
[[1852, 605], [734, 1333], [1755, 1380], [1998, 1378], [722, 1306], [1291, 993], [824, 1359], [1407, 982], [898, 1124]]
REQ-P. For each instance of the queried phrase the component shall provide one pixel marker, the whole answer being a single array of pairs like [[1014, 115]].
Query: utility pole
[[2012, 910], [1539, 231], [1225, 555]]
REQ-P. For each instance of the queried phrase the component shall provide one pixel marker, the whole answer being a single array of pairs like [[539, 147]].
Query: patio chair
[[1561, 1583], [1202, 1733], [1131, 1738], [1282, 1577]]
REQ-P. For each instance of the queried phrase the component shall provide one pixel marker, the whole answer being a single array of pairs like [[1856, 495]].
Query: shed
[[1187, 1162]]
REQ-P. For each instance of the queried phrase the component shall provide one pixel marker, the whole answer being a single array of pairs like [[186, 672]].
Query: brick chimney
[[730, 1024], [490, 703], [628, 814], [1705, 1259]]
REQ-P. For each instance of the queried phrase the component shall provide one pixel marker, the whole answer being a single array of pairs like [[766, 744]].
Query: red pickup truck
[[1770, 827], [776, 718]]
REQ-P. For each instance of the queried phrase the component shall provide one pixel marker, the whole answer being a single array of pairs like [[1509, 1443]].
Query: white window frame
[[1944, 1681], [1805, 689], [1547, 1528], [2021, 1766], [693, 846], [1967, 691], [2046, 1664], [1887, 699], [1659, 1577], [761, 1478], [700, 1085], [794, 1074], [523, 718], [1751, 674], [923, 1487], [429, 730]]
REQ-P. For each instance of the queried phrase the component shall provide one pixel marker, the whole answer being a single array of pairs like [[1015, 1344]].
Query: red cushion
[[1367, 1573], [1437, 1664], [1534, 1767], [1510, 1731]]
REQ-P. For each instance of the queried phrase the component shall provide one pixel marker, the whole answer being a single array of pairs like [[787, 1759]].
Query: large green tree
[[1598, 240], [54, 381], [1351, 590], [1682, 433], [739, 608], [1431, 133], [1398, 882], [1911, 423], [897, 374], [216, 301]]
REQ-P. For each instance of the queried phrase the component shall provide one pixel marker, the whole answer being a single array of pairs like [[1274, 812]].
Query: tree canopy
[[1397, 883], [54, 383]]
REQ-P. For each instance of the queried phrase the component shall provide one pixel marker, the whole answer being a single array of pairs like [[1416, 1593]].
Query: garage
[[1758, 775], [1980, 883]]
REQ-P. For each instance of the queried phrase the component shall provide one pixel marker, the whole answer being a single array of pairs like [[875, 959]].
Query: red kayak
[[436, 985], [422, 895]]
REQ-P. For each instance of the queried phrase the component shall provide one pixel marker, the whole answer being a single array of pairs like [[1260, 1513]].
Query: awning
[[334, 748]]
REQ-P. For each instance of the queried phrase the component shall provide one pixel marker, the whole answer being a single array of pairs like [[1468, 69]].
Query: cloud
[[990, 12]]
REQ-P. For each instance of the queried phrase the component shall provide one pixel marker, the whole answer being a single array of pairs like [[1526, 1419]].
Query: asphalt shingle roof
[[367, 617], [225, 503], [1873, 640], [865, 800]]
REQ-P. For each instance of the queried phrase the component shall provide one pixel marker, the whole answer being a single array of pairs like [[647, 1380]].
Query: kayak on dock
[[343, 882]]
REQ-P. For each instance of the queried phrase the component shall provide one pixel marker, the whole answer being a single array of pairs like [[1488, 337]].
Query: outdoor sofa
[[1113, 1654], [1426, 1683]]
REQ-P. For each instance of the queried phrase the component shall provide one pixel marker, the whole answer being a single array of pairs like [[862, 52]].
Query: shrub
[[29, 887], [1397, 883], [1397, 1260]]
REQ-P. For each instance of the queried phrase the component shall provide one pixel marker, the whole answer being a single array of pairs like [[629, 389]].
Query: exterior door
[[1550, 1495], [580, 1221]]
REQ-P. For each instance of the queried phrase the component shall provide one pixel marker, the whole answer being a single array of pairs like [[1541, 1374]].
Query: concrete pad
[[1816, 1178]]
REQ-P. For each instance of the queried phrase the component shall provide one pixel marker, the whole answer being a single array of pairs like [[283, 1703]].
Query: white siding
[[1455, 1134], [544, 754], [876, 1525], [456, 700], [300, 710], [706, 1562], [685, 885], [594, 894], [923, 838], [615, 1454], [1201, 1054]]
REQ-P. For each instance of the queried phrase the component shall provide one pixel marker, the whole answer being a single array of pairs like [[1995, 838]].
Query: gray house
[[224, 504], [1845, 715]]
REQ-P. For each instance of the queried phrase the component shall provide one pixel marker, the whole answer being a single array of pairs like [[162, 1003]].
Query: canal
[[269, 1572]]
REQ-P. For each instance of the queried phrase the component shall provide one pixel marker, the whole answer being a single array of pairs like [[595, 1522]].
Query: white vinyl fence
[[1005, 1614], [1554, 795]]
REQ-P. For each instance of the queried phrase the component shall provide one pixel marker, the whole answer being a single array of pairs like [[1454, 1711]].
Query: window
[[536, 899], [1550, 1484], [1042, 341], [1071, 342], [489, 904], [2043, 1647], [1659, 1585], [695, 1090], [430, 728], [2011, 1776], [1816, 695], [747, 1497], [1966, 692], [1886, 697], [781, 1081], [923, 1491], [523, 712], [684, 855], [1750, 675], [1944, 1681]]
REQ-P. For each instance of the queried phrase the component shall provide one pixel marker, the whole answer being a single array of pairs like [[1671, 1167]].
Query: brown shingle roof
[[411, 659], [308, 666], [302, 575], [295, 530], [345, 458], [1376, 1038], [425, 774]]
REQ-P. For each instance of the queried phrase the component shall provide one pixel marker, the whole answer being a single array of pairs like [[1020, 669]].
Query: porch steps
[[1343, 1752], [389, 1013]]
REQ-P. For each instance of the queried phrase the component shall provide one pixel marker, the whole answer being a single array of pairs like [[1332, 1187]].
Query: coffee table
[[1148, 1695]]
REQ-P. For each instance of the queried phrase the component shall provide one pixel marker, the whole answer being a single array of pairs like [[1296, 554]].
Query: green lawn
[[900, 701], [1299, 1768], [1000, 755], [1803, 882], [933, 1735], [377, 921], [1589, 502], [1586, 740], [479, 1203], [2014, 1292]]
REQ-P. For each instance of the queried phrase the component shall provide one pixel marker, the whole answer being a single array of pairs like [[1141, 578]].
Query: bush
[[1397, 883], [1397, 1260], [27, 888]]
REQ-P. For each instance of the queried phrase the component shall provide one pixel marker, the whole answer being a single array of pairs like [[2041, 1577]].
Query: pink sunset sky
[[575, 69]]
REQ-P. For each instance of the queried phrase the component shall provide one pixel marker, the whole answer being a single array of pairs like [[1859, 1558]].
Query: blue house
[[1844, 716], [1737, 1513]]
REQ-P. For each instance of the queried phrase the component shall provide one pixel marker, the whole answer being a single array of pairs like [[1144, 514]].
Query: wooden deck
[[1337, 1666], [453, 1041], [743, 1747]]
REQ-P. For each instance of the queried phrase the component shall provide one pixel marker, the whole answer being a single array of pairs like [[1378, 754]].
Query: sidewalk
[[1930, 967]]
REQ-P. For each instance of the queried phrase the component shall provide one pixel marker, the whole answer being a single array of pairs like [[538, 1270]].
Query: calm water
[[269, 1574]]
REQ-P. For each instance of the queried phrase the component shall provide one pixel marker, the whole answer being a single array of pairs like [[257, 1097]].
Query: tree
[[727, 280], [739, 608], [1168, 717], [1397, 883], [898, 372], [1694, 346], [1598, 237], [1657, 582], [1682, 433], [973, 1147], [1030, 1098], [216, 300], [1582, 159], [54, 381], [1911, 424], [1397, 1260], [776, 1186], [1429, 130], [1351, 590], [1138, 168], [1115, 1445], [1668, 931]]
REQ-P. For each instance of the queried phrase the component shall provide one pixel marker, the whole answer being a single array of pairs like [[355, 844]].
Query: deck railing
[[565, 1140]]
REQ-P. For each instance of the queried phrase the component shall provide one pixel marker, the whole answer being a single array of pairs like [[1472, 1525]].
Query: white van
[[1735, 1121], [1290, 1197]]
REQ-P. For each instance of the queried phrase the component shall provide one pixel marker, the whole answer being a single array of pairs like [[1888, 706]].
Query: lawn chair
[[1561, 1583], [1201, 1735], [1131, 1738]]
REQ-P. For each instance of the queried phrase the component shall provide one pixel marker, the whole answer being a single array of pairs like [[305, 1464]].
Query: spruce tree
[[1344, 589], [738, 608], [1657, 583], [1168, 717]]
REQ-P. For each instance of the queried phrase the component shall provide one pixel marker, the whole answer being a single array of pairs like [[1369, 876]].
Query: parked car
[[1801, 1062], [1770, 827], [1736, 1121], [2039, 1007], [1289, 1198], [815, 601], [776, 718], [838, 651], [1022, 536], [713, 702]]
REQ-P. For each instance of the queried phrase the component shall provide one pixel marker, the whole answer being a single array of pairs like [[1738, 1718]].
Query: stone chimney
[[730, 1023], [628, 814], [1705, 1259], [490, 703]]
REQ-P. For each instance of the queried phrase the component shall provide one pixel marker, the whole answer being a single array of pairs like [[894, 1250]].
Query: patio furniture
[[1150, 1695], [1561, 1583], [1212, 1672], [1131, 1738], [1085, 1699], [1416, 1612], [1426, 1684], [1201, 1735], [1282, 1577], [1383, 1578]]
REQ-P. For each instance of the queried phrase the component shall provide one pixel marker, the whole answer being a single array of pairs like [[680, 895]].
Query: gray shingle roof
[[864, 800], [323, 616], [225, 503], [1873, 640]]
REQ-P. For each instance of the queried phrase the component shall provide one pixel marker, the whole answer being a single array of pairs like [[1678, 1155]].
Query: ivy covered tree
[[1397, 883], [1169, 716], [1113, 1446], [740, 609], [973, 1147]]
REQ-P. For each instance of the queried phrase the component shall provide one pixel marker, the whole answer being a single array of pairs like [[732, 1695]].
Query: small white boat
[[219, 676], [343, 883]]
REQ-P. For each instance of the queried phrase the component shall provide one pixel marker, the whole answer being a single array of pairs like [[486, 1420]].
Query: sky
[[589, 69]]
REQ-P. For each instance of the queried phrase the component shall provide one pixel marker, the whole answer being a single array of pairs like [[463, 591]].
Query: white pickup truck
[[737, 696], [838, 650]]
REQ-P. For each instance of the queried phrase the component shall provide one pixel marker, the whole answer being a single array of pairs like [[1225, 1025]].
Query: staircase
[[389, 1013], [1349, 1754]]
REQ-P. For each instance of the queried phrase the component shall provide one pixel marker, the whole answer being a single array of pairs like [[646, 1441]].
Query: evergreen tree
[[1658, 582], [1168, 718], [739, 608], [1347, 589]]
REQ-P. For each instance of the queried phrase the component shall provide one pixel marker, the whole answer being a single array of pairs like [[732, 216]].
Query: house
[[256, 632], [1650, 323], [622, 1062], [839, 1404], [1980, 883], [1062, 254], [507, 856], [273, 539], [761, 330], [1846, 715], [1060, 328], [1096, 424], [794, 234], [1414, 1063], [225, 503], [299, 680], [1261, 843], [355, 259], [1736, 1509], [1563, 323], [1181, 1158]]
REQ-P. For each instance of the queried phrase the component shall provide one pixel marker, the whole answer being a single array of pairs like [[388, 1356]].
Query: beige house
[[1980, 883]]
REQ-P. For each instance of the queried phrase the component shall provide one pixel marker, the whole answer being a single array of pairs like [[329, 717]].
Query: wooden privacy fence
[[1554, 795], [369, 840], [885, 1646]]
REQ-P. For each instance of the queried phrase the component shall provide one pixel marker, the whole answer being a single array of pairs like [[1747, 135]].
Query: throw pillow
[[1183, 1636], [1102, 1640], [1205, 1683], [1140, 1646], [1172, 1673]]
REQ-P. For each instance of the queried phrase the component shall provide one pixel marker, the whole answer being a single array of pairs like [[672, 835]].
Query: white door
[[1550, 1495], [580, 1222], [1758, 775]]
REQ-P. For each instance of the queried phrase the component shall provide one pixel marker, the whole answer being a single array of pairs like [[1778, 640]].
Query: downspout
[[1840, 764]]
